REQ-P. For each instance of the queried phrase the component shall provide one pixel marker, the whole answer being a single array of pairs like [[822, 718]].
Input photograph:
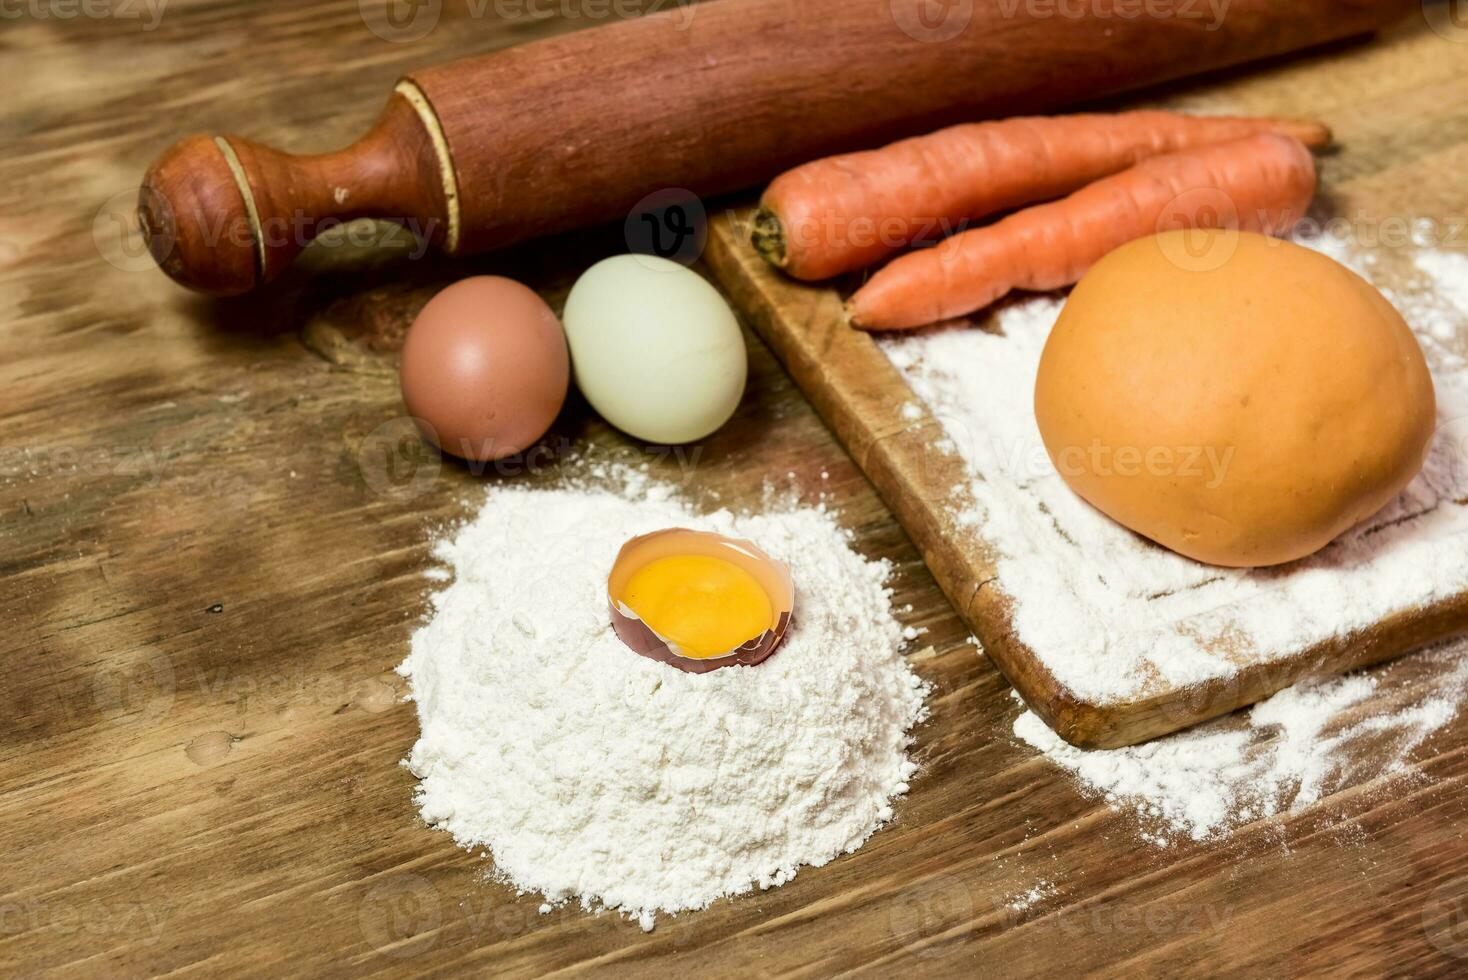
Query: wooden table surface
[[213, 529]]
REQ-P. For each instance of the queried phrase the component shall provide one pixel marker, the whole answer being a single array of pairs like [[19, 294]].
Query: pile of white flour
[[592, 773], [1113, 616]]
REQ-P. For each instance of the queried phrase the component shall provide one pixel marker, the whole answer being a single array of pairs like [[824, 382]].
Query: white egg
[[654, 348]]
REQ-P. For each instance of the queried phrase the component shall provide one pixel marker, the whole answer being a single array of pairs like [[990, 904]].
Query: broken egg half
[[698, 600]]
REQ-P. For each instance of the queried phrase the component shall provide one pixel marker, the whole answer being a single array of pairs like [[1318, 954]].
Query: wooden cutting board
[[862, 397], [869, 405]]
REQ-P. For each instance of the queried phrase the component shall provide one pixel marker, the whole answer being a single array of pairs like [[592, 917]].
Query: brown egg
[[485, 368]]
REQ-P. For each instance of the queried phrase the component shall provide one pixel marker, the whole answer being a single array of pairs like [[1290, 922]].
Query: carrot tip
[[768, 238], [849, 315], [1315, 135]]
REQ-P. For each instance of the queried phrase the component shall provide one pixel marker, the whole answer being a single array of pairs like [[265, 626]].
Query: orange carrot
[[1260, 183], [847, 212]]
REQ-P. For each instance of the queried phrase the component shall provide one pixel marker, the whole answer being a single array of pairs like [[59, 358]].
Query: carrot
[[847, 212], [1260, 183]]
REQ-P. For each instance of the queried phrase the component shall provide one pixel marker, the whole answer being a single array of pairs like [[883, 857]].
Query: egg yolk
[[705, 605]]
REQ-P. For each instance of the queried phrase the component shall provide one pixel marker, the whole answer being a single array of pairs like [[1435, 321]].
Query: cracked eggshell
[[655, 348], [774, 576]]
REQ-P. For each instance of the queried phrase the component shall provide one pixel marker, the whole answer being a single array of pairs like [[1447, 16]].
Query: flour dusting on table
[[1280, 756], [1115, 617], [592, 773]]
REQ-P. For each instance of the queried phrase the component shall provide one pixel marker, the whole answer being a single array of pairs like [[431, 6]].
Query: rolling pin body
[[577, 129]]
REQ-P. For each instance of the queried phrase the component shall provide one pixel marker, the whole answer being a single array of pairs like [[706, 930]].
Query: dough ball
[[1238, 399]]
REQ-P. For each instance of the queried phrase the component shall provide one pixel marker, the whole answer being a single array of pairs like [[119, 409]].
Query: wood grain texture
[[208, 572]]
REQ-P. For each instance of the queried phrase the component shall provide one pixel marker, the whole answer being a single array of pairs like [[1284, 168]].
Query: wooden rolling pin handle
[[225, 215], [518, 143]]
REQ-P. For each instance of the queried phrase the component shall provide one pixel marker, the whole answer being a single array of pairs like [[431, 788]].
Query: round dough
[[1238, 399]]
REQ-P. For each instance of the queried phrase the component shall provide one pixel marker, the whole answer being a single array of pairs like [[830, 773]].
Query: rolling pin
[[575, 130]]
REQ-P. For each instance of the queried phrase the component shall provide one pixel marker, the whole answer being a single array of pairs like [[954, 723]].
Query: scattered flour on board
[[1115, 617], [1040, 891], [1279, 756], [595, 774]]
